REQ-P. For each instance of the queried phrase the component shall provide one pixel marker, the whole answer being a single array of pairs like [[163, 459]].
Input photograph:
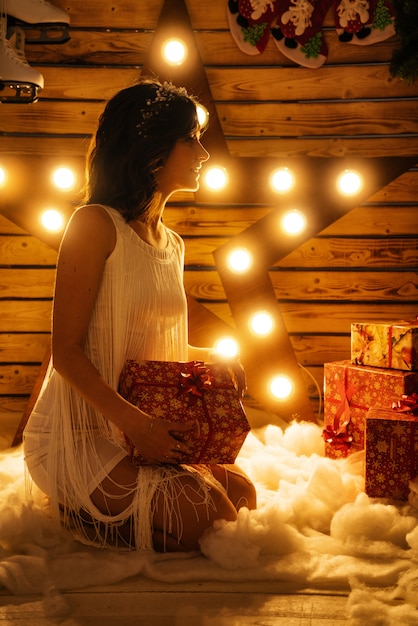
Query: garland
[[404, 62]]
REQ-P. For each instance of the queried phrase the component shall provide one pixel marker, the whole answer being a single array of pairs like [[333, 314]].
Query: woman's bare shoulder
[[93, 222], [93, 212]]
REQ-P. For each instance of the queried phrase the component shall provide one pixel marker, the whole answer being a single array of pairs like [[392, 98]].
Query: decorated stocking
[[249, 23], [297, 31], [363, 22]]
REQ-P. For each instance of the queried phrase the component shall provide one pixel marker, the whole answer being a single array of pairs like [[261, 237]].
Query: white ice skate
[[19, 83], [42, 21]]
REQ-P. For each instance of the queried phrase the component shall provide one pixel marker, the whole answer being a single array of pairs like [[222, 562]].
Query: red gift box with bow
[[392, 449], [391, 345], [203, 394], [349, 391]]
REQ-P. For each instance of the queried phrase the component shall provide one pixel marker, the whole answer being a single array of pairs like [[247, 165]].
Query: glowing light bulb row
[[283, 180], [216, 177], [63, 178]]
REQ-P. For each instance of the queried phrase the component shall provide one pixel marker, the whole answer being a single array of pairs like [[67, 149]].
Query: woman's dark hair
[[137, 131]]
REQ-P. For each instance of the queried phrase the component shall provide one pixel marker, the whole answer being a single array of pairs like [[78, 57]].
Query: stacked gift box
[[369, 403], [392, 346], [392, 449]]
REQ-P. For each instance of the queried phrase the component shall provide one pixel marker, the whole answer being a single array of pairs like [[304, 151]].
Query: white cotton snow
[[314, 526]]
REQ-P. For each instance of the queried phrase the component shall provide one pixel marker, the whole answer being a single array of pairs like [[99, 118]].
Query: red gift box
[[391, 453], [189, 392], [349, 391], [391, 345]]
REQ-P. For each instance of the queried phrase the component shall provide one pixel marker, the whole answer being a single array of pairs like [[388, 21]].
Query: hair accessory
[[165, 93]]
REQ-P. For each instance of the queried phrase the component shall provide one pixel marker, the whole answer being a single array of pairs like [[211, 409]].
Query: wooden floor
[[138, 601]]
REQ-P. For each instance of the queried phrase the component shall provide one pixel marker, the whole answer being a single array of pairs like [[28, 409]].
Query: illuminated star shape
[[262, 358]]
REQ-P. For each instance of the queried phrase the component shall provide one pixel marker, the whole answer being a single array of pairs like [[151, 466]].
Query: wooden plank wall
[[364, 266]]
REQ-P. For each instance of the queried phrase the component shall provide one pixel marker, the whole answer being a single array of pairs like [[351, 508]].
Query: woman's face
[[182, 168]]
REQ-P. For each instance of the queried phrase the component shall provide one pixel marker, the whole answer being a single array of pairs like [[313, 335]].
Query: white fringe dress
[[140, 313]]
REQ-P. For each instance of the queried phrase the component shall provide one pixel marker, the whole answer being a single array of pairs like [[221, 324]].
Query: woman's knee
[[251, 496], [243, 492], [197, 507], [223, 507], [240, 489], [203, 502]]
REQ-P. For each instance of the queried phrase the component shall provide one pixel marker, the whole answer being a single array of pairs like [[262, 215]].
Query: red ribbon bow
[[339, 436], [195, 380], [339, 440], [407, 404]]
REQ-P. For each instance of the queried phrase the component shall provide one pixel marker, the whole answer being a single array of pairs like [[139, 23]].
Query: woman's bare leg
[[238, 486], [198, 507], [195, 511]]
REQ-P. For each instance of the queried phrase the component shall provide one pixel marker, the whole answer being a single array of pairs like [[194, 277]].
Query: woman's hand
[[236, 369], [161, 441], [238, 375], [232, 363]]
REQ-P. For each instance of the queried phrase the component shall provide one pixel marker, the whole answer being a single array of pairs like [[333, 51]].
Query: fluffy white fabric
[[314, 528]]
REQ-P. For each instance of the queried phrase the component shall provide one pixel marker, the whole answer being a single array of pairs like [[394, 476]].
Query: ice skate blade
[[18, 93], [44, 33]]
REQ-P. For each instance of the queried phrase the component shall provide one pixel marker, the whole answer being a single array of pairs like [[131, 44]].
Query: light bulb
[[216, 178], [282, 180], [2, 176], [52, 220], [63, 178], [227, 347], [281, 387], [261, 323], [293, 222], [239, 260], [202, 116], [349, 183], [174, 51]]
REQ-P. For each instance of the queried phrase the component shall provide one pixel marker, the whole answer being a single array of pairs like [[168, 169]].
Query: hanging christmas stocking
[[363, 22], [249, 23], [297, 31]]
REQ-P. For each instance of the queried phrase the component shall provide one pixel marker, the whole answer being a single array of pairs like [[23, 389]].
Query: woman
[[119, 295]]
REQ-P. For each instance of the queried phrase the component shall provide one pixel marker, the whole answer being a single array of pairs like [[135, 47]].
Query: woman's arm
[[88, 241]]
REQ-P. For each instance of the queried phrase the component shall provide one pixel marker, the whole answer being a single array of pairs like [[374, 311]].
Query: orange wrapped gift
[[203, 394], [391, 345]]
